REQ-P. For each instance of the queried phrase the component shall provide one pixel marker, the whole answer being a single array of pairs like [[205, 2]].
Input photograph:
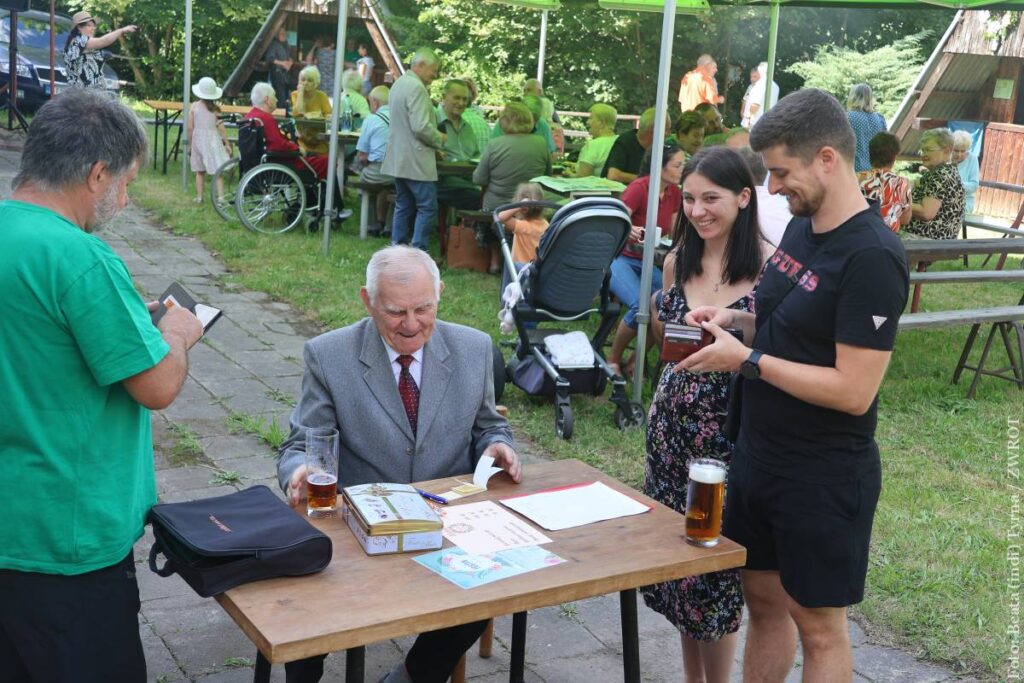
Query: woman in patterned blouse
[[82, 51], [938, 198], [892, 192]]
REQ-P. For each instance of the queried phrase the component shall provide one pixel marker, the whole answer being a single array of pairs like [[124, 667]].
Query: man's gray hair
[[73, 132], [705, 59], [425, 55], [351, 80], [381, 94], [260, 92], [647, 119], [397, 263]]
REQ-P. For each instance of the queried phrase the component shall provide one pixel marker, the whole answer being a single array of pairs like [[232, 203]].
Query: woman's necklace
[[715, 285]]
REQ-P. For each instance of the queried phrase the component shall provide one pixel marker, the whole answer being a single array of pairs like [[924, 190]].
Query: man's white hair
[[704, 60], [398, 264], [424, 55], [381, 94], [260, 92], [351, 80]]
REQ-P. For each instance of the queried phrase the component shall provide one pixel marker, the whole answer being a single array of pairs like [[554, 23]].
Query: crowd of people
[[783, 247]]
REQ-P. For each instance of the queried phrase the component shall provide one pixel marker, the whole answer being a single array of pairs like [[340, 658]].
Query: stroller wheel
[[628, 420], [563, 421]]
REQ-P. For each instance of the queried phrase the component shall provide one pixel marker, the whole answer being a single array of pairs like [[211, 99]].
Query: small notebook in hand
[[175, 295]]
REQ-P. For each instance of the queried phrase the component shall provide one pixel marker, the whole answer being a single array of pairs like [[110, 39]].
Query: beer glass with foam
[[704, 499], [321, 471]]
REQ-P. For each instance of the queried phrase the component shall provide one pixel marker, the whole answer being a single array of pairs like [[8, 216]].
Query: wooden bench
[[922, 251], [367, 206], [1004, 320]]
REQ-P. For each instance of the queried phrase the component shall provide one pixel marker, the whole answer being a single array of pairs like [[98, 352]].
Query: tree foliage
[[890, 70], [153, 57], [595, 55]]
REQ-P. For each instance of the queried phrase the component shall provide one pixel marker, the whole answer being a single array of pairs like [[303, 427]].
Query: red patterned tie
[[408, 390]]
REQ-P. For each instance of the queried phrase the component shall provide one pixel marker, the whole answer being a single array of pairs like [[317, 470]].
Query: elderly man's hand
[[297, 489], [180, 321], [506, 458]]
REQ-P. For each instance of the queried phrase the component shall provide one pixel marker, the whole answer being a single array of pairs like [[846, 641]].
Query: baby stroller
[[568, 281]]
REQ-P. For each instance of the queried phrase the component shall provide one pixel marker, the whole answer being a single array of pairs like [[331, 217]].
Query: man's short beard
[[106, 208]]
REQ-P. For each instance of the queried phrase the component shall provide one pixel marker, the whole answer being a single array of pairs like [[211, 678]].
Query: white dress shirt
[[415, 367]]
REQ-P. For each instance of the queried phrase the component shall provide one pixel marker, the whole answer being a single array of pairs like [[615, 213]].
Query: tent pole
[[543, 45], [773, 37], [332, 152], [187, 80], [668, 28], [53, 32]]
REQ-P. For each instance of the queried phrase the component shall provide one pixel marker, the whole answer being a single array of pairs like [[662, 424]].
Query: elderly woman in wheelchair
[[279, 183]]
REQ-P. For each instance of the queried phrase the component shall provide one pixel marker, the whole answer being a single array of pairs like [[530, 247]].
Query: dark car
[[34, 57]]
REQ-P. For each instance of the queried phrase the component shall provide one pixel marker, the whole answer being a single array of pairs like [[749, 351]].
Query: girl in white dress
[[210, 146]]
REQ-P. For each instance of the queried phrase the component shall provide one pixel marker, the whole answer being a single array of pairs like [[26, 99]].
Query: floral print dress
[[684, 424]]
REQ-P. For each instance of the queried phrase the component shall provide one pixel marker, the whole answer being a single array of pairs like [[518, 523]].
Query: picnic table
[[922, 251], [360, 599], [168, 112]]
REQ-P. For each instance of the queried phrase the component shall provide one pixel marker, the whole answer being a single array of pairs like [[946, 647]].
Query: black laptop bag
[[218, 543]]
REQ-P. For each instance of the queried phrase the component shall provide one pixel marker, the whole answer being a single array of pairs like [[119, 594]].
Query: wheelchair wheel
[[227, 177], [270, 199]]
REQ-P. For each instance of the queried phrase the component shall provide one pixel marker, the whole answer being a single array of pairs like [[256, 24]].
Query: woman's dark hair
[[882, 150], [75, 32], [688, 121], [667, 152], [726, 168]]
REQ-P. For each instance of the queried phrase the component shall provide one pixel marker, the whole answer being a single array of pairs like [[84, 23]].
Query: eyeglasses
[[929, 150]]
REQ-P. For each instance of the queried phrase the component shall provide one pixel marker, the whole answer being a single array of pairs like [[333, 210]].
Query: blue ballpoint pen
[[432, 496]]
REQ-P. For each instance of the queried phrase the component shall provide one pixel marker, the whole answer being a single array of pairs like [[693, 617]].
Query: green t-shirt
[[76, 449]]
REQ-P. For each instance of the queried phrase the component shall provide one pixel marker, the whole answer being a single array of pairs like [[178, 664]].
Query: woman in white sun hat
[[210, 146]]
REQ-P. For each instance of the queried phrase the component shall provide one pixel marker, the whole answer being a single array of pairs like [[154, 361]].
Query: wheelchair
[[272, 197]]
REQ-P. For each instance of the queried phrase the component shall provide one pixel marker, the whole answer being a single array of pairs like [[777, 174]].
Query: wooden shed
[[308, 19], [975, 74]]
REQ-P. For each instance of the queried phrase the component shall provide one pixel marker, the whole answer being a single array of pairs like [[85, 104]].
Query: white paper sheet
[[576, 505], [484, 528]]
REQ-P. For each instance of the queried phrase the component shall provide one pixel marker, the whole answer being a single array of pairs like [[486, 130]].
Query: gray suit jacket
[[414, 136], [349, 385]]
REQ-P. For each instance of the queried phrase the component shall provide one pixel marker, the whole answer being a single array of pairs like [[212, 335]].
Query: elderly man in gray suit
[[410, 157], [412, 398]]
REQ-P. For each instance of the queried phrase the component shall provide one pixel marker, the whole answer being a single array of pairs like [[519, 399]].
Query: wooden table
[[923, 251], [359, 599], [166, 115]]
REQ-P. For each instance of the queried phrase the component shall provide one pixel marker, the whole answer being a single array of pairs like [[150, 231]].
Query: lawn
[[938, 580]]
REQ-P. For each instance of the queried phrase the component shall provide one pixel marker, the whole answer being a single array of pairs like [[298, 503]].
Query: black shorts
[[82, 628], [815, 535]]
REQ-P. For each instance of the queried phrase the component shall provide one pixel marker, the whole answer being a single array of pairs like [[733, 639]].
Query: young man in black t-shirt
[[805, 474]]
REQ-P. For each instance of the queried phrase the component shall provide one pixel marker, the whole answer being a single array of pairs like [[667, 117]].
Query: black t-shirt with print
[[852, 293]]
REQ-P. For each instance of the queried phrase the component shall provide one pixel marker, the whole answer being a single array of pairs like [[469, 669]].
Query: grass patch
[[266, 430], [938, 577], [186, 449], [226, 478], [239, 662], [275, 394]]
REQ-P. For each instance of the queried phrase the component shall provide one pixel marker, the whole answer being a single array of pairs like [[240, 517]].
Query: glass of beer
[[704, 499], [321, 471]]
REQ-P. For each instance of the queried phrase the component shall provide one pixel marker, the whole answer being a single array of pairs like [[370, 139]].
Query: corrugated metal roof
[[964, 73]]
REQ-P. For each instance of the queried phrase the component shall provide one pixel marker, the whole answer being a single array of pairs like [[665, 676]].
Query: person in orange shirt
[[699, 85]]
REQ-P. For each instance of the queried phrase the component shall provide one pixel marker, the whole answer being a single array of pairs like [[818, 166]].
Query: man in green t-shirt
[[81, 365]]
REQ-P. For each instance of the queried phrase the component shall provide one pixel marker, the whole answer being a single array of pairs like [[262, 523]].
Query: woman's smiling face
[[710, 208]]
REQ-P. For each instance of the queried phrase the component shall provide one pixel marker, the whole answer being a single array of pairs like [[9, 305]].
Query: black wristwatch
[[749, 368]]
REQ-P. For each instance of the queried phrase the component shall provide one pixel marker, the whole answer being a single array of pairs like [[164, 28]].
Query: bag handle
[[156, 550]]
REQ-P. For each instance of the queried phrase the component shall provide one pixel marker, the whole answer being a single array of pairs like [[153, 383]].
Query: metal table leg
[[261, 674], [518, 665], [355, 664], [630, 637]]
